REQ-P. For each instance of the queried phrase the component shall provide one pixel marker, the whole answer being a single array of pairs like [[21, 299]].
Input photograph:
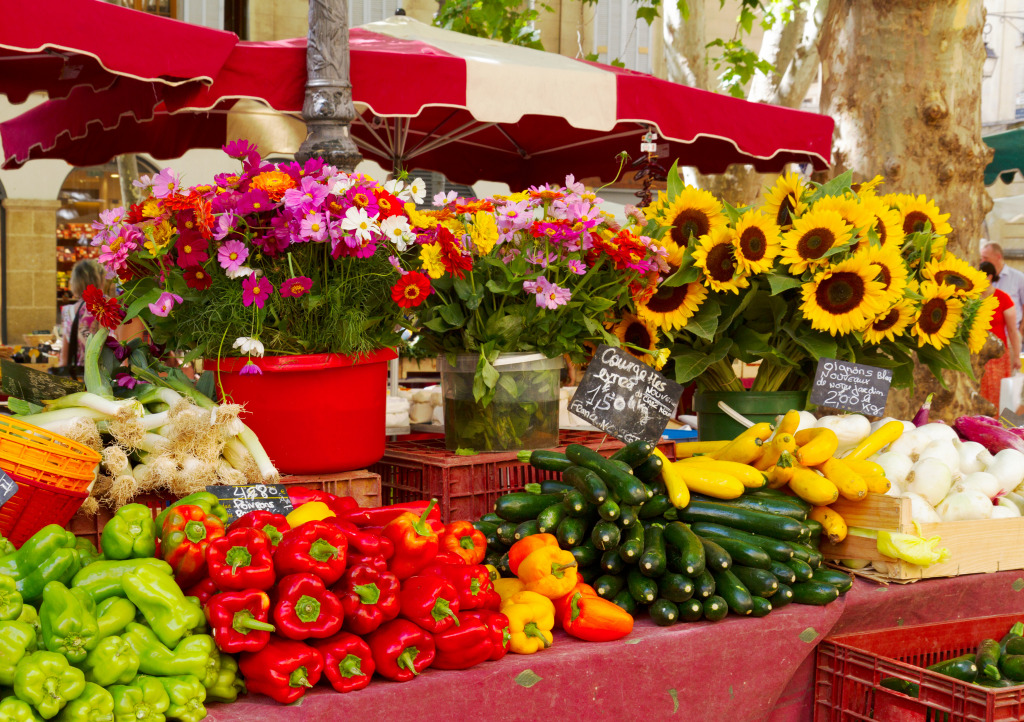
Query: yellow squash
[[678, 494], [877, 484], [816, 445], [882, 437], [708, 481], [750, 477], [789, 424], [771, 451], [746, 447], [832, 524], [864, 468], [812, 487], [780, 474], [851, 485], [685, 449]]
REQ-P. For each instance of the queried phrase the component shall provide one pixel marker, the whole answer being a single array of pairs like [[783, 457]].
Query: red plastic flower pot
[[314, 414]]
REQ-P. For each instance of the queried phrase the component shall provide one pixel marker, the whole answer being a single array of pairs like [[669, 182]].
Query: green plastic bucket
[[713, 424]]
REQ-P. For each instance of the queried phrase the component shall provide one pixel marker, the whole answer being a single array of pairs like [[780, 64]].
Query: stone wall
[[31, 259]]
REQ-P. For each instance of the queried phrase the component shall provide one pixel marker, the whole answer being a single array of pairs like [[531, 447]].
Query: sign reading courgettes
[[850, 386], [240, 500]]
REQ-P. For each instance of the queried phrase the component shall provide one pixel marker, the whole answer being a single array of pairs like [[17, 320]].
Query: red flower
[[295, 287], [191, 249], [411, 290], [135, 214], [197, 278], [451, 253], [105, 310], [388, 205]]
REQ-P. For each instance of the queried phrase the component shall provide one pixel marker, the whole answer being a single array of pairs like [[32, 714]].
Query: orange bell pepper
[[594, 619], [462, 538], [549, 571], [562, 602], [526, 546]]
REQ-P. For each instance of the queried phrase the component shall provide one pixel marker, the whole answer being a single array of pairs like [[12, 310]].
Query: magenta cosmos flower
[[164, 304], [295, 287], [256, 290], [551, 296], [232, 255]]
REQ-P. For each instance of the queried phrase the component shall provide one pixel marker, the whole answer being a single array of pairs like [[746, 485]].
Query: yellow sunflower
[[967, 281], [783, 202], [814, 234], [978, 322], [756, 242], [892, 271], [852, 210], [892, 323], [672, 308], [692, 214], [842, 298], [636, 332], [716, 256], [888, 223], [918, 212], [868, 187], [940, 315]]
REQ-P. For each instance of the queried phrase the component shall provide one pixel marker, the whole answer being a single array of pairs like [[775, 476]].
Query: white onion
[[807, 421], [920, 510], [938, 432], [931, 479], [982, 481], [910, 444], [965, 505], [851, 429], [896, 466], [973, 456], [1008, 510], [945, 452], [1008, 467]]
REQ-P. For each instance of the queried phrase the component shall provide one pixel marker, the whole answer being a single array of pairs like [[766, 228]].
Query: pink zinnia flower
[[256, 290], [551, 296], [250, 368], [165, 183], [232, 255], [577, 267], [313, 227], [295, 287], [164, 304]]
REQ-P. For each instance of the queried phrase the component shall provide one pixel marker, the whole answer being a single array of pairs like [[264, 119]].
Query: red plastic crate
[[466, 487], [850, 669]]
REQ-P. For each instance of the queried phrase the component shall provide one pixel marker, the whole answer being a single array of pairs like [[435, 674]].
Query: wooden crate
[[975, 547]]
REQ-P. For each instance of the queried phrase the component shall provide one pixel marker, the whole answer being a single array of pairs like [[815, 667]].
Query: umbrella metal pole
[[328, 109]]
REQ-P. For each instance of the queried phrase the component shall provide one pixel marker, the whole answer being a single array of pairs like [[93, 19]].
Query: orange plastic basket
[[28, 452], [35, 505]]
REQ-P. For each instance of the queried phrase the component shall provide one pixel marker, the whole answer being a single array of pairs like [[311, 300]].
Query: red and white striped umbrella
[[471, 108]]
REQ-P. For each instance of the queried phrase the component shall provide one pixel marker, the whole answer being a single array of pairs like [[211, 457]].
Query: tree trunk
[[902, 78], [685, 51]]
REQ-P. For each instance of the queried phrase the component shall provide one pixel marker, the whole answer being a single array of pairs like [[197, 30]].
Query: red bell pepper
[[186, 533], [241, 560], [304, 608], [381, 515], [462, 538], [359, 540], [348, 662], [369, 597], [472, 583], [401, 650], [415, 542], [562, 603], [340, 505], [497, 625], [359, 560], [447, 557], [315, 547], [430, 602], [464, 646], [202, 591], [283, 670], [271, 524], [239, 620]]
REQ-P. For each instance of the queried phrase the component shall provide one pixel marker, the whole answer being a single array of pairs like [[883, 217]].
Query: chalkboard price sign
[[240, 500], [625, 397], [853, 387], [8, 488]]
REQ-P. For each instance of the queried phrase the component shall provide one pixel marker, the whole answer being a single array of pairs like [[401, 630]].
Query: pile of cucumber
[[994, 664], [746, 555]]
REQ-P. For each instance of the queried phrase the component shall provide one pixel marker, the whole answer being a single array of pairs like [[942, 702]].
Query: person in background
[[1004, 326], [85, 273], [1009, 280]]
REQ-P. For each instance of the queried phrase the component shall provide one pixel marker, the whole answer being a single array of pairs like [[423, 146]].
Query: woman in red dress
[[1004, 326]]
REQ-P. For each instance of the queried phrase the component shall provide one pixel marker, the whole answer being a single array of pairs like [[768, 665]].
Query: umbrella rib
[[523, 153], [382, 146], [453, 137], [434, 130], [623, 134]]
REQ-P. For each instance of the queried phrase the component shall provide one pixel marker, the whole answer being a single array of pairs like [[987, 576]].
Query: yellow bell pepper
[[549, 571], [492, 571], [507, 586], [310, 511], [530, 623]]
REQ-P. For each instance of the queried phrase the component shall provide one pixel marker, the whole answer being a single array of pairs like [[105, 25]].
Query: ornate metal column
[[328, 109]]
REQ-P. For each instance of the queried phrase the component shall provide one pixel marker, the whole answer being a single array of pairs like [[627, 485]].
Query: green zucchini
[[691, 550], [503, 567], [635, 453], [493, 557], [994, 683], [656, 486], [506, 532], [742, 553], [755, 522], [962, 668], [608, 585], [605, 535], [841, 581], [554, 487], [588, 483], [779, 494], [494, 542], [625, 487], [485, 527], [782, 597], [571, 532], [655, 507], [527, 528], [520, 506], [675, 587], [715, 608], [731, 589], [1012, 643], [653, 562], [762, 607], [628, 515], [609, 510], [783, 573], [586, 554], [625, 600], [814, 593], [671, 514], [643, 589], [902, 686], [987, 659], [778, 550], [575, 503], [816, 528], [765, 505], [703, 585], [612, 563], [545, 460], [691, 610], [650, 469], [808, 554], [491, 518], [664, 613], [1012, 666], [759, 583], [716, 558], [549, 519], [589, 574], [631, 543], [621, 465], [801, 570]]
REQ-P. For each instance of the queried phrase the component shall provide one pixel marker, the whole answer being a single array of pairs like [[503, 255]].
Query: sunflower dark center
[[887, 321], [840, 293], [815, 243], [915, 222], [933, 315], [953, 278], [880, 230], [884, 275], [785, 215], [753, 244], [666, 300], [637, 335], [721, 265], [690, 222]]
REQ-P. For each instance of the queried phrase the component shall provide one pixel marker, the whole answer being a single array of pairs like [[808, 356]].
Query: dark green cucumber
[[703, 585], [841, 581], [759, 583], [491, 518], [625, 600], [621, 465], [994, 683], [816, 528], [527, 528], [586, 554], [649, 470], [755, 522], [987, 659], [609, 510], [715, 608], [588, 483], [765, 505], [655, 507], [605, 535], [624, 486], [657, 486], [962, 668], [575, 503], [691, 550], [902, 686], [731, 589], [664, 613], [675, 587], [783, 573], [522, 506], [716, 558], [814, 593], [778, 550], [628, 515], [779, 494], [643, 589], [506, 532], [635, 453], [494, 542], [549, 519], [545, 460], [571, 532], [762, 607], [554, 487], [1012, 666], [612, 563], [783, 597], [503, 566], [608, 585], [653, 562], [631, 543], [691, 610], [801, 570], [1012, 642], [743, 553], [807, 554], [486, 527]]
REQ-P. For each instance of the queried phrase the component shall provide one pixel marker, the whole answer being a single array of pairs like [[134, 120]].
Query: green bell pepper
[[10, 599], [6, 546], [95, 704], [113, 661], [113, 615], [196, 615], [61, 566], [102, 580], [213, 668], [228, 684], [204, 499], [130, 534], [39, 547], [30, 616], [47, 682], [87, 552], [144, 700], [17, 640], [69, 622], [161, 601], [13, 709], [191, 656], [187, 695]]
